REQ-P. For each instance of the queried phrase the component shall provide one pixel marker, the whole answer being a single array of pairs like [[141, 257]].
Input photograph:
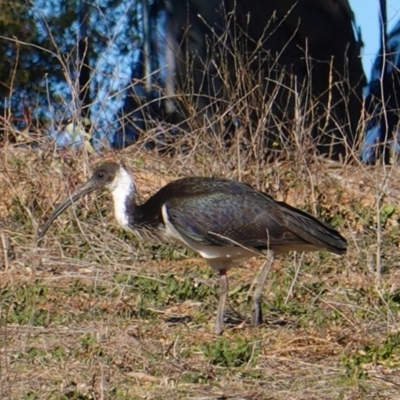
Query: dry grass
[[94, 314]]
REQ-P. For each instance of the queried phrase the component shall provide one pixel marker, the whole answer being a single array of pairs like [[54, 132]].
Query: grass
[[96, 314]]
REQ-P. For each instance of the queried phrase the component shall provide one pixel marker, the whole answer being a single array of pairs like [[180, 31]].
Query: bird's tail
[[312, 230]]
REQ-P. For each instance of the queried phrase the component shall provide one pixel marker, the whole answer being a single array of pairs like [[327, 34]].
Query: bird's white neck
[[123, 191]]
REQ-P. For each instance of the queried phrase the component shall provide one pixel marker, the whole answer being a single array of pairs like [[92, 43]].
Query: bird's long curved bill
[[83, 190]]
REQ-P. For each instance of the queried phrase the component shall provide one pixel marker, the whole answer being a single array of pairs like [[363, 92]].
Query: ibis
[[223, 220]]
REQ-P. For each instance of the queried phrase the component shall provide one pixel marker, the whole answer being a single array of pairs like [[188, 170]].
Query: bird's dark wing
[[220, 212], [219, 222], [225, 213]]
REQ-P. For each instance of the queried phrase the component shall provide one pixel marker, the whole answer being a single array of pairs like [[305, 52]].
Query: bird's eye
[[100, 175]]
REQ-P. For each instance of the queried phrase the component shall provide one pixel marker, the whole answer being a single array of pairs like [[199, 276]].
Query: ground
[[94, 313]]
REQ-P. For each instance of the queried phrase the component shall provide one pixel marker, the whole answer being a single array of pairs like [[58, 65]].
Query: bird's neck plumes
[[124, 195]]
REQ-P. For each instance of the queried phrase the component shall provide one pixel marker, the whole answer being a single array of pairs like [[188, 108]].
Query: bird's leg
[[256, 313], [223, 294]]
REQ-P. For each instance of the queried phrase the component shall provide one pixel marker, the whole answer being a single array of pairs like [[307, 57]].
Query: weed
[[231, 353], [25, 305], [195, 378], [386, 353], [386, 212]]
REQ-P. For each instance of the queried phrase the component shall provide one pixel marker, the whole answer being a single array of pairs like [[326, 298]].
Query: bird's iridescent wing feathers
[[223, 218], [222, 212]]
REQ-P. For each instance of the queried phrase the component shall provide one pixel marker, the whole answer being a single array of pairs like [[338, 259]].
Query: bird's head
[[108, 176], [104, 177]]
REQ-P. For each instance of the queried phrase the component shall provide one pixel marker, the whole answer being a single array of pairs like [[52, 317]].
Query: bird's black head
[[104, 176]]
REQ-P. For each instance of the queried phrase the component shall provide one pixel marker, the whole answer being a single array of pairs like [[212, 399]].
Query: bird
[[222, 220]]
